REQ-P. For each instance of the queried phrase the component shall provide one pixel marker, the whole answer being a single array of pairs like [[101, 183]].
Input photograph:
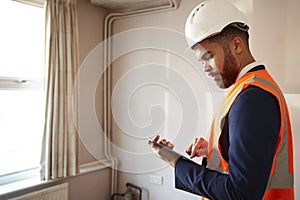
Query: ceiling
[[129, 5]]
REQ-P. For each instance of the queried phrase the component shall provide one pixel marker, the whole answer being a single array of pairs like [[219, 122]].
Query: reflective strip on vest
[[281, 175]]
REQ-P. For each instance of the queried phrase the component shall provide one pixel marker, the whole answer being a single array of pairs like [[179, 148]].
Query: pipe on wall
[[107, 76]]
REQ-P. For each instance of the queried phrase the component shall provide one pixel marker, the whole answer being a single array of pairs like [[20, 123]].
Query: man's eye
[[208, 57]]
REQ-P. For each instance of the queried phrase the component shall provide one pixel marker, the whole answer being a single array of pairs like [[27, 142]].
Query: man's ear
[[237, 45]]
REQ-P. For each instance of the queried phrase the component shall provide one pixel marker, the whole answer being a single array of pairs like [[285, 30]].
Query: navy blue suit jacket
[[248, 142]]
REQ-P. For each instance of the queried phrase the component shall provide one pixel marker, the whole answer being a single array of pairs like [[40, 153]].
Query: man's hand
[[163, 150], [199, 148]]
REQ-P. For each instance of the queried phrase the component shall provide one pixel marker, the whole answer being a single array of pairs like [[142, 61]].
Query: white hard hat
[[209, 18]]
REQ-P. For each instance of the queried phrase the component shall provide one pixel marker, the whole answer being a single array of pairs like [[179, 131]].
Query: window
[[22, 93]]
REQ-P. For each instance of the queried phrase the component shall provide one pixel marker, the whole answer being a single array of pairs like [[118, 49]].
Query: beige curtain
[[60, 142]]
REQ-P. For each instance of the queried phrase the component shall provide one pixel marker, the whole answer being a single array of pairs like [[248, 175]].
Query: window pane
[[21, 127], [22, 43], [22, 109]]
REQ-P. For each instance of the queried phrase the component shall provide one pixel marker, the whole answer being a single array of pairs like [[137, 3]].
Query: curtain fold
[[60, 142]]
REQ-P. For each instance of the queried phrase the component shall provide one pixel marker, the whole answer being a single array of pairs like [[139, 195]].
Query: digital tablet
[[175, 154], [166, 148]]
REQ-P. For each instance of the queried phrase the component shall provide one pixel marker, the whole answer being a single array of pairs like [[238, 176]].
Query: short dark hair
[[229, 32]]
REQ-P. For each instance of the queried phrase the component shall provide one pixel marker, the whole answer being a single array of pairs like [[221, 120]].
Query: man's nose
[[207, 67]]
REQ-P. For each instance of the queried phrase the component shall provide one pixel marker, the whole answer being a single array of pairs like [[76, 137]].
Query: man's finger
[[196, 147], [189, 149], [156, 138]]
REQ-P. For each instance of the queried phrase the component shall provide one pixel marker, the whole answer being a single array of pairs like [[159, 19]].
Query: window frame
[[22, 83], [38, 3]]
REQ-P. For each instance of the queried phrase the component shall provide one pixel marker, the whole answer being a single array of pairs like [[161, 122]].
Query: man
[[249, 152]]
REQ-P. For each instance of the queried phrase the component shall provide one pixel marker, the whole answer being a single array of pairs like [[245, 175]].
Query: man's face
[[218, 62]]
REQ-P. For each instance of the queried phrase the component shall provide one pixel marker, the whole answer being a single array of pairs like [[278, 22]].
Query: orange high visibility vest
[[281, 179]]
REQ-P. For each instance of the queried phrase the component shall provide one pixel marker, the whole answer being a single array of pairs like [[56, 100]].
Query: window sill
[[9, 189], [19, 185]]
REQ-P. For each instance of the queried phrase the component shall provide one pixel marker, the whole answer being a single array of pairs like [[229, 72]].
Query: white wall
[[275, 39], [152, 108], [293, 101], [90, 26], [153, 103]]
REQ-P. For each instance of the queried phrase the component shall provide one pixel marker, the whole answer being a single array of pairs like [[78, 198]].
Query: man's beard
[[230, 72]]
